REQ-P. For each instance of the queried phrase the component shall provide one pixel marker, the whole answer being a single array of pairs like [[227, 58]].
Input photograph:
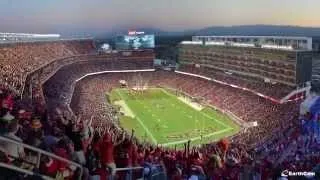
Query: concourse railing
[[40, 153]]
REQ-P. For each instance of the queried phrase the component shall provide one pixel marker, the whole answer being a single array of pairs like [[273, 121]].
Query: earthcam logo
[[287, 173]]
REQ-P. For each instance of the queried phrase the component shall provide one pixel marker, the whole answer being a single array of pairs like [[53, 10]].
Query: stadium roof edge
[[291, 43], [29, 34], [45, 40], [191, 43], [276, 37]]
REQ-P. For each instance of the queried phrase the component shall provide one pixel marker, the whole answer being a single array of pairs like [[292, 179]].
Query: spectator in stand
[[7, 103], [106, 150], [125, 154], [86, 131], [5, 120], [15, 151], [35, 136], [92, 160], [49, 166], [64, 151], [51, 140]]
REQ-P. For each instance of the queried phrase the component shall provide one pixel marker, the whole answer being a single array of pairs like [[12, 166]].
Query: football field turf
[[161, 117]]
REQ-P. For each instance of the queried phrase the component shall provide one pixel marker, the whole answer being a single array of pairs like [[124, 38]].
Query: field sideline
[[163, 118]]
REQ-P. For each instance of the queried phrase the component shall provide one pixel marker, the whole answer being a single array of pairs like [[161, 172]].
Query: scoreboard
[[135, 40]]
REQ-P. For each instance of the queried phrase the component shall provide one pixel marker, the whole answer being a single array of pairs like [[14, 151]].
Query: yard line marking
[[227, 127], [203, 113], [221, 123], [195, 138], [141, 123]]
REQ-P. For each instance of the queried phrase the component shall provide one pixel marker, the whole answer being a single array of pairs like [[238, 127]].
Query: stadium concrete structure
[[238, 75], [264, 59], [25, 37]]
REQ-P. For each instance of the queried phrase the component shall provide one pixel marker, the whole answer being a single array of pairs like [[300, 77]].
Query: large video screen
[[135, 42]]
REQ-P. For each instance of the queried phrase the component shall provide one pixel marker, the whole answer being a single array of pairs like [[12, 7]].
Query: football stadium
[[230, 107]]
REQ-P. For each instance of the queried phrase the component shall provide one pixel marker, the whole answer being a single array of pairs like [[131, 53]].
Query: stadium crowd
[[277, 91], [90, 135], [272, 118], [19, 59]]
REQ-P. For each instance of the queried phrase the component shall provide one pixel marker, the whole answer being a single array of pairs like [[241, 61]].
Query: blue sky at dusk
[[58, 16]]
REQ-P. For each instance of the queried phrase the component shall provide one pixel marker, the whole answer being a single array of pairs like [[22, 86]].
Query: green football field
[[162, 118]]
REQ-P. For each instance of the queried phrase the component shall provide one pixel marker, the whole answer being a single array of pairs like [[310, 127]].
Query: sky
[[99, 16]]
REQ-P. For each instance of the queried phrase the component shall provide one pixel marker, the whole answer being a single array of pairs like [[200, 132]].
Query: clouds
[[103, 15]]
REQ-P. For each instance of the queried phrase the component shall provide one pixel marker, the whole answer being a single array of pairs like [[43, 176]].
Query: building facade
[[285, 60]]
